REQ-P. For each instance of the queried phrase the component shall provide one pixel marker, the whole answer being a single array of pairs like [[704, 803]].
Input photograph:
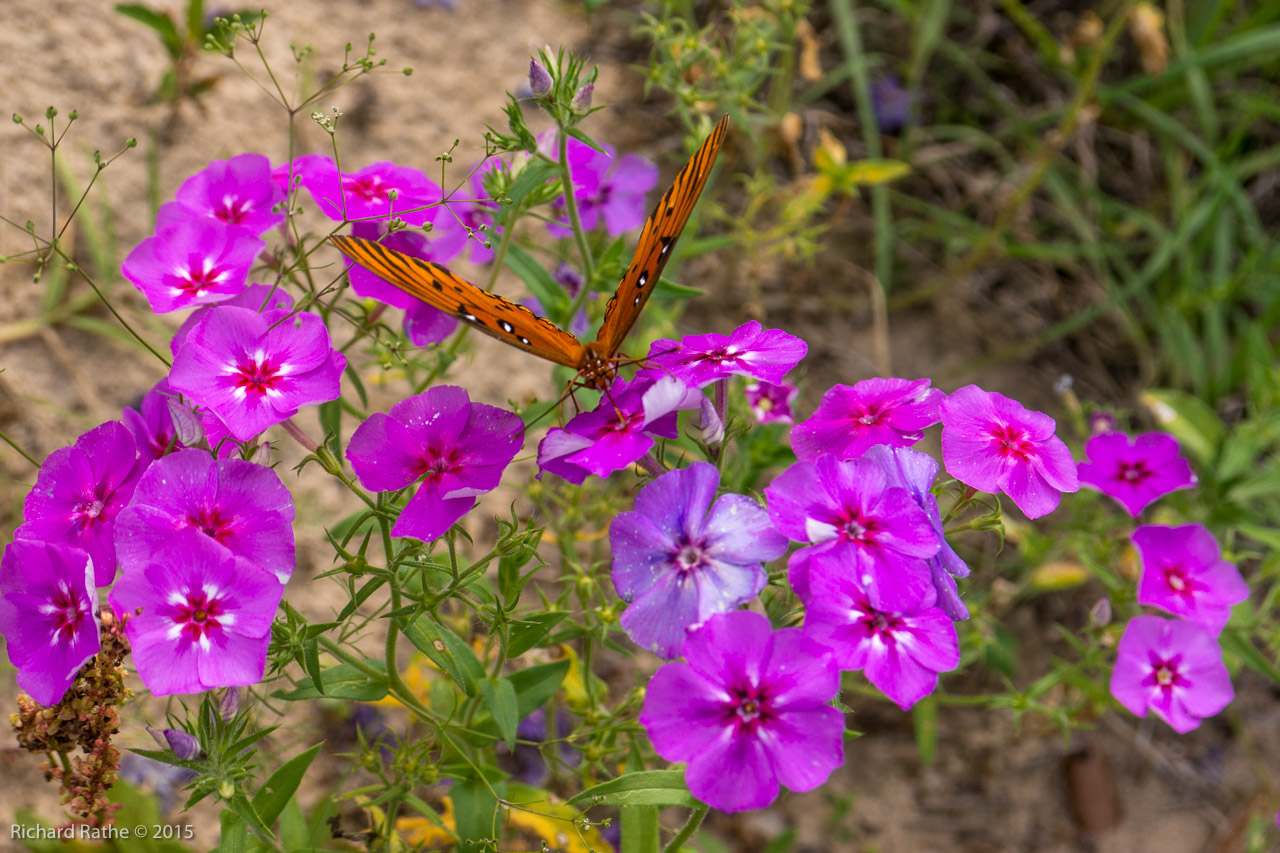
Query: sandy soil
[[994, 786]]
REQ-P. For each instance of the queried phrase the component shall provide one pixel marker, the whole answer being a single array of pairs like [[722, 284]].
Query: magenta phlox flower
[[239, 191], [256, 297], [48, 615], [151, 423], [255, 370], [1135, 471], [1183, 572], [676, 565], [423, 323], [771, 403], [241, 506], [994, 444], [857, 521], [195, 261], [851, 419], [750, 711], [457, 448], [1172, 667], [915, 472], [79, 492], [365, 194], [604, 185], [202, 616], [699, 360], [901, 651], [618, 431]]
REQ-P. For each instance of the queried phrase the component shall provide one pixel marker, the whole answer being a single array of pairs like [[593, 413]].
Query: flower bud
[[710, 427], [582, 99], [186, 425], [183, 745], [230, 704], [539, 79]]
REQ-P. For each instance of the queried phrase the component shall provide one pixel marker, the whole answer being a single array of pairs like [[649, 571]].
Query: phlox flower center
[[719, 355], [434, 463], [1164, 673], [198, 614], [89, 508], [233, 210], [367, 188], [1134, 472], [861, 530], [689, 558], [258, 374], [1011, 442], [883, 627], [748, 709], [66, 612], [1176, 579], [198, 276], [210, 521], [871, 415]]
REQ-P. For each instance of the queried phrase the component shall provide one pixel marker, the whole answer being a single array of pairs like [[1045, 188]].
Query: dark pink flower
[[1136, 471], [79, 492], [1172, 667], [456, 448], [365, 194], [875, 411], [238, 191], [750, 711], [770, 403], [205, 616], [48, 615], [699, 360], [902, 651], [241, 506], [993, 444], [676, 565], [1183, 572], [197, 261], [618, 431], [255, 370], [856, 521]]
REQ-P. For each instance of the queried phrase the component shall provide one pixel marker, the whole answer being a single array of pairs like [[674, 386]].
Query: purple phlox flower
[[151, 422], [255, 370], [528, 762], [770, 403], [749, 712], [676, 565], [1101, 422], [901, 651], [48, 615], [894, 106], [850, 419], [1183, 572], [994, 444], [604, 185], [239, 191], [1172, 667], [423, 323], [79, 492], [201, 617], [365, 194], [568, 278], [618, 431], [915, 472], [458, 449], [255, 297], [242, 506], [698, 360], [1135, 471], [858, 522], [197, 261]]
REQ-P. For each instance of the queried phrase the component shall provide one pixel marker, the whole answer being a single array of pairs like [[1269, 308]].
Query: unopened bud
[[582, 99], [1100, 613], [230, 704], [186, 424], [183, 745], [539, 79], [710, 427]]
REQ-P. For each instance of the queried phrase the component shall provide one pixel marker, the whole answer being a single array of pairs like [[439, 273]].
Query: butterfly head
[[598, 368]]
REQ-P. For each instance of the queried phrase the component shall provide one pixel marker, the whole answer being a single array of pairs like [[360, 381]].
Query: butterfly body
[[596, 361]]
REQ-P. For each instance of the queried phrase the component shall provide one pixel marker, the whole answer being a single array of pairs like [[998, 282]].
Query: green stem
[[24, 454], [575, 223], [689, 828]]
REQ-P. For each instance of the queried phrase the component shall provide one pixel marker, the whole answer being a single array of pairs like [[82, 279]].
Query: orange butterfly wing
[[661, 230], [486, 312]]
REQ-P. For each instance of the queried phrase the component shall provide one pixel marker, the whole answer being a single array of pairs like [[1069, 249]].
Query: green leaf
[[1239, 644], [343, 681], [273, 796], [584, 139], [195, 18], [554, 299], [640, 829], [668, 289], [534, 175], [158, 21], [475, 812], [331, 424], [235, 832], [446, 650], [500, 697], [925, 717], [1191, 420], [643, 788], [527, 633], [536, 684], [240, 804]]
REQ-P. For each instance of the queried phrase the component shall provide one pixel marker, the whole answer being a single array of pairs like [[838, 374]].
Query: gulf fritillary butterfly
[[596, 361]]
